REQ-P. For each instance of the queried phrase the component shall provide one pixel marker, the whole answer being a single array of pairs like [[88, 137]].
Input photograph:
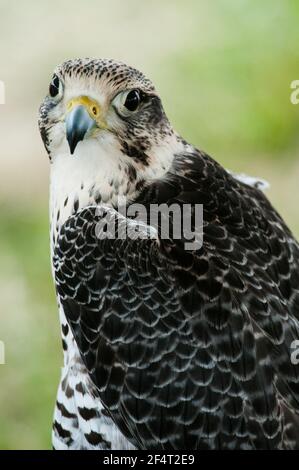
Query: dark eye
[[133, 100], [54, 86]]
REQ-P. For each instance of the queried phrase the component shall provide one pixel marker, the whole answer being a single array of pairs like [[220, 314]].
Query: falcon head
[[102, 109]]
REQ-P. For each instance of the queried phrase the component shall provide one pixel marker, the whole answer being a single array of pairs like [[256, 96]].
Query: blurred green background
[[223, 69]]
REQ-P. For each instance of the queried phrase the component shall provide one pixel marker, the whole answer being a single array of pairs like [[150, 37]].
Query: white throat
[[99, 172]]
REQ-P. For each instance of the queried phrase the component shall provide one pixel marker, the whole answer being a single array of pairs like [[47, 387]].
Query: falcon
[[164, 347]]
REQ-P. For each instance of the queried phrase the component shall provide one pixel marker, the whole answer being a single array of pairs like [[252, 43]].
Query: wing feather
[[188, 349]]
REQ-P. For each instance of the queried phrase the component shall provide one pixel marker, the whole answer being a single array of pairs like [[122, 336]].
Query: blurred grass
[[234, 88], [223, 70], [29, 329]]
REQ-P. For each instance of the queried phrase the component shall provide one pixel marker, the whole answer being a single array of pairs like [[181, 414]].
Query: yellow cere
[[93, 108]]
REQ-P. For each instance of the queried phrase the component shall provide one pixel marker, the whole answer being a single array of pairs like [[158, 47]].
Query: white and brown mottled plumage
[[165, 349]]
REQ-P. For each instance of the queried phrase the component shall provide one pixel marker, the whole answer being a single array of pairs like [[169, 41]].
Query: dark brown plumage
[[187, 349]]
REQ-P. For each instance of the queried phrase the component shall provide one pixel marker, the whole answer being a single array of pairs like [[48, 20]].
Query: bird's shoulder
[[155, 323]]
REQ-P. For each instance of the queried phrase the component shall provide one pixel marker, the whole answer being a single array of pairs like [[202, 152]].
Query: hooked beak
[[78, 123], [83, 115]]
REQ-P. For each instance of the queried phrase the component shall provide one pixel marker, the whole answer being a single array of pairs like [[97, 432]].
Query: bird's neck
[[101, 175]]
